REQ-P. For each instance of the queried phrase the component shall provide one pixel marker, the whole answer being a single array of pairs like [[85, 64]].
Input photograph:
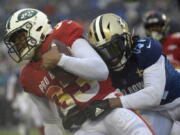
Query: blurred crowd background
[[82, 11]]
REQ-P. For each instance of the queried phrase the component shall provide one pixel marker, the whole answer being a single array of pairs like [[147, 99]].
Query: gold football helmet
[[109, 35]]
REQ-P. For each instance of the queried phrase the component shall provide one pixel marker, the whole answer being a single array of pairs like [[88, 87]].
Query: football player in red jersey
[[30, 37], [156, 25]]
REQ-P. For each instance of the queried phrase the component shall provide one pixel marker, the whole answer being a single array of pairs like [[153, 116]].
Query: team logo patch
[[138, 48], [139, 72], [26, 14], [98, 111]]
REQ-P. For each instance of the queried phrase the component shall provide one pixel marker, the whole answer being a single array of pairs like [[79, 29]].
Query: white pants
[[160, 124], [176, 128], [119, 122], [162, 118], [50, 116]]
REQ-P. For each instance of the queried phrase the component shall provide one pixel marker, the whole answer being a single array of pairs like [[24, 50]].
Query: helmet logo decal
[[138, 48], [26, 14]]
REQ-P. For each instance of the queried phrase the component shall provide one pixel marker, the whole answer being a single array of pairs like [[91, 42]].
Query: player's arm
[[154, 79], [86, 62], [154, 84], [151, 95]]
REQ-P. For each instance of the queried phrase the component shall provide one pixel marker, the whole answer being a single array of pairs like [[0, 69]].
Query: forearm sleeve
[[154, 84], [85, 62]]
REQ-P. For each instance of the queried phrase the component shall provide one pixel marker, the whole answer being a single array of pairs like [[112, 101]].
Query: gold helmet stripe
[[98, 30], [95, 33], [101, 28]]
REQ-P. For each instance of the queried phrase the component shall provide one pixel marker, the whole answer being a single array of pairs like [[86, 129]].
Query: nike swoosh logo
[[149, 46]]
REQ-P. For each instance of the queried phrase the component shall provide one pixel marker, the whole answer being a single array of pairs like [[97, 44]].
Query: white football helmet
[[110, 36], [36, 26]]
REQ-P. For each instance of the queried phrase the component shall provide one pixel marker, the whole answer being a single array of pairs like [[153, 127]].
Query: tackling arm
[[154, 84], [86, 62]]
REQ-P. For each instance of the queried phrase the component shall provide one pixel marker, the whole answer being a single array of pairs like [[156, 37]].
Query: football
[[58, 72], [61, 47]]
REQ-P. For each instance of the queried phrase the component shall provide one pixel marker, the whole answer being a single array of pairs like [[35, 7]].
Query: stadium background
[[82, 11]]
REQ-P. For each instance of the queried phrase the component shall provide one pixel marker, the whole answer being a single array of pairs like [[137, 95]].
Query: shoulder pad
[[147, 51], [68, 31]]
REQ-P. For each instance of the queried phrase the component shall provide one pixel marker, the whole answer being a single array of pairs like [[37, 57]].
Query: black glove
[[97, 109], [74, 119]]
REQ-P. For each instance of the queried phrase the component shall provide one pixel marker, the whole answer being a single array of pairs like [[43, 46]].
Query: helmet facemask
[[116, 52], [23, 49]]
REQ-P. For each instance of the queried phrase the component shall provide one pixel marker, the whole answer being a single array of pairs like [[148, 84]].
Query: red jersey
[[40, 82], [171, 47]]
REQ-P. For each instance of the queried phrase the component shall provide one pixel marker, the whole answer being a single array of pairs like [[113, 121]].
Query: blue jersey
[[145, 53]]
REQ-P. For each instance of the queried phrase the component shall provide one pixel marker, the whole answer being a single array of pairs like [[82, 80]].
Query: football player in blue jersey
[[138, 68]]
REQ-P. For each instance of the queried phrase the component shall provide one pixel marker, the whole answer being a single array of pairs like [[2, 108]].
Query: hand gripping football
[[58, 72], [61, 47]]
